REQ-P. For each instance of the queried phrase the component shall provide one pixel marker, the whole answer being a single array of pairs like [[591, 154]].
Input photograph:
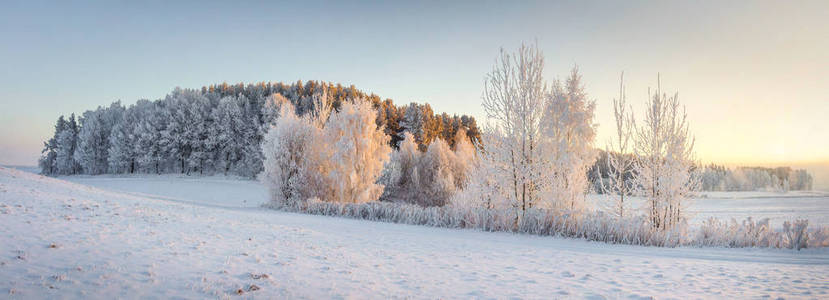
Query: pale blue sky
[[754, 74]]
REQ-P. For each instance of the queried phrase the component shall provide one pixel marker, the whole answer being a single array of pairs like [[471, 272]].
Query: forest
[[217, 129], [323, 149]]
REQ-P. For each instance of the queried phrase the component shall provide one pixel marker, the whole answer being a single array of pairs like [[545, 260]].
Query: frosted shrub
[[483, 189], [796, 235], [749, 233], [819, 238], [593, 226]]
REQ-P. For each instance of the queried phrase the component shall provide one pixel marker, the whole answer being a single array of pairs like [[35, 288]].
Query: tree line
[[218, 129], [714, 177], [529, 171], [324, 149]]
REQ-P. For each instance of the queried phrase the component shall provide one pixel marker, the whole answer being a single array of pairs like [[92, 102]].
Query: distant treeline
[[217, 129], [721, 178], [715, 178]]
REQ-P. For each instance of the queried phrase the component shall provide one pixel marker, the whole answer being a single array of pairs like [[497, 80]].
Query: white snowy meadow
[[174, 237], [528, 181]]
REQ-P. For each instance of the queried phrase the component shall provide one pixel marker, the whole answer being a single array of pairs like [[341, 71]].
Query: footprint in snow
[[567, 274]]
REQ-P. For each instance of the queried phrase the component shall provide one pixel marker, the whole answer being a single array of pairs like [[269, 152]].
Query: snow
[[777, 206], [169, 236], [220, 191]]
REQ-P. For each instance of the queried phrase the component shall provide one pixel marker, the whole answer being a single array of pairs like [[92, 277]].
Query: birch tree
[[513, 100], [569, 132], [619, 162], [663, 172]]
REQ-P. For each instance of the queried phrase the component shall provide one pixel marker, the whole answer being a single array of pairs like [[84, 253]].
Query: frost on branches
[[569, 132], [338, 159], [619, 162], [538, 143], [428, 178], [664, 168], [513, 99], [359, 150], [293, 159]]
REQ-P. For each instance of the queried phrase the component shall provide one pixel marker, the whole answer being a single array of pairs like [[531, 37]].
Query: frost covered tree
[[94, 137], [340, 162], [359, 151], [401, 182], [414, 122], [428, 178], [218, 128], [319, 106], [720, 178], [619, 163], [90, 138], [569, 132], [436, 176], [66, 142], [801, 180], [48, 160], [294, 163], [228, 135], [465, 159], [513, 100], [198, 135], [151, 134], [664, 169], [122, 155]]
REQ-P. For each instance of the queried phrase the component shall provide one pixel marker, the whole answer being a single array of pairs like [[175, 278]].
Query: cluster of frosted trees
[[329, 150], [185, 132], [538, 142], [430, 177], [720, 178], [342, 156], [331, 155], [217, 129], [535, 153], [528, 173]]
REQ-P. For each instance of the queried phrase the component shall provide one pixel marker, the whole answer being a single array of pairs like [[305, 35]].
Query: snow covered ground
[[235, 192], [169, 237], [777, 206]]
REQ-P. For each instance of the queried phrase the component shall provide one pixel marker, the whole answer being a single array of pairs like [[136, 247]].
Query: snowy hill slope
[[66, 240]]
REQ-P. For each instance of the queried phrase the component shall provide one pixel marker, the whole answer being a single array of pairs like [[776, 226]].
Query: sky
[[753, 75]]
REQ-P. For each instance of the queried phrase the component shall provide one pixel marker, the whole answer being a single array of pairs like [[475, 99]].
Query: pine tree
[[123, 142], [48, 160]]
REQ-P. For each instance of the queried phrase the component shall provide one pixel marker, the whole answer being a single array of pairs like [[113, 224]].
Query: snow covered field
[[777, 206], [168, 236], [235, 192]]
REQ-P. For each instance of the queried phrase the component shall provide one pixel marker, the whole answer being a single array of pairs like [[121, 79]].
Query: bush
[[592, 226]]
